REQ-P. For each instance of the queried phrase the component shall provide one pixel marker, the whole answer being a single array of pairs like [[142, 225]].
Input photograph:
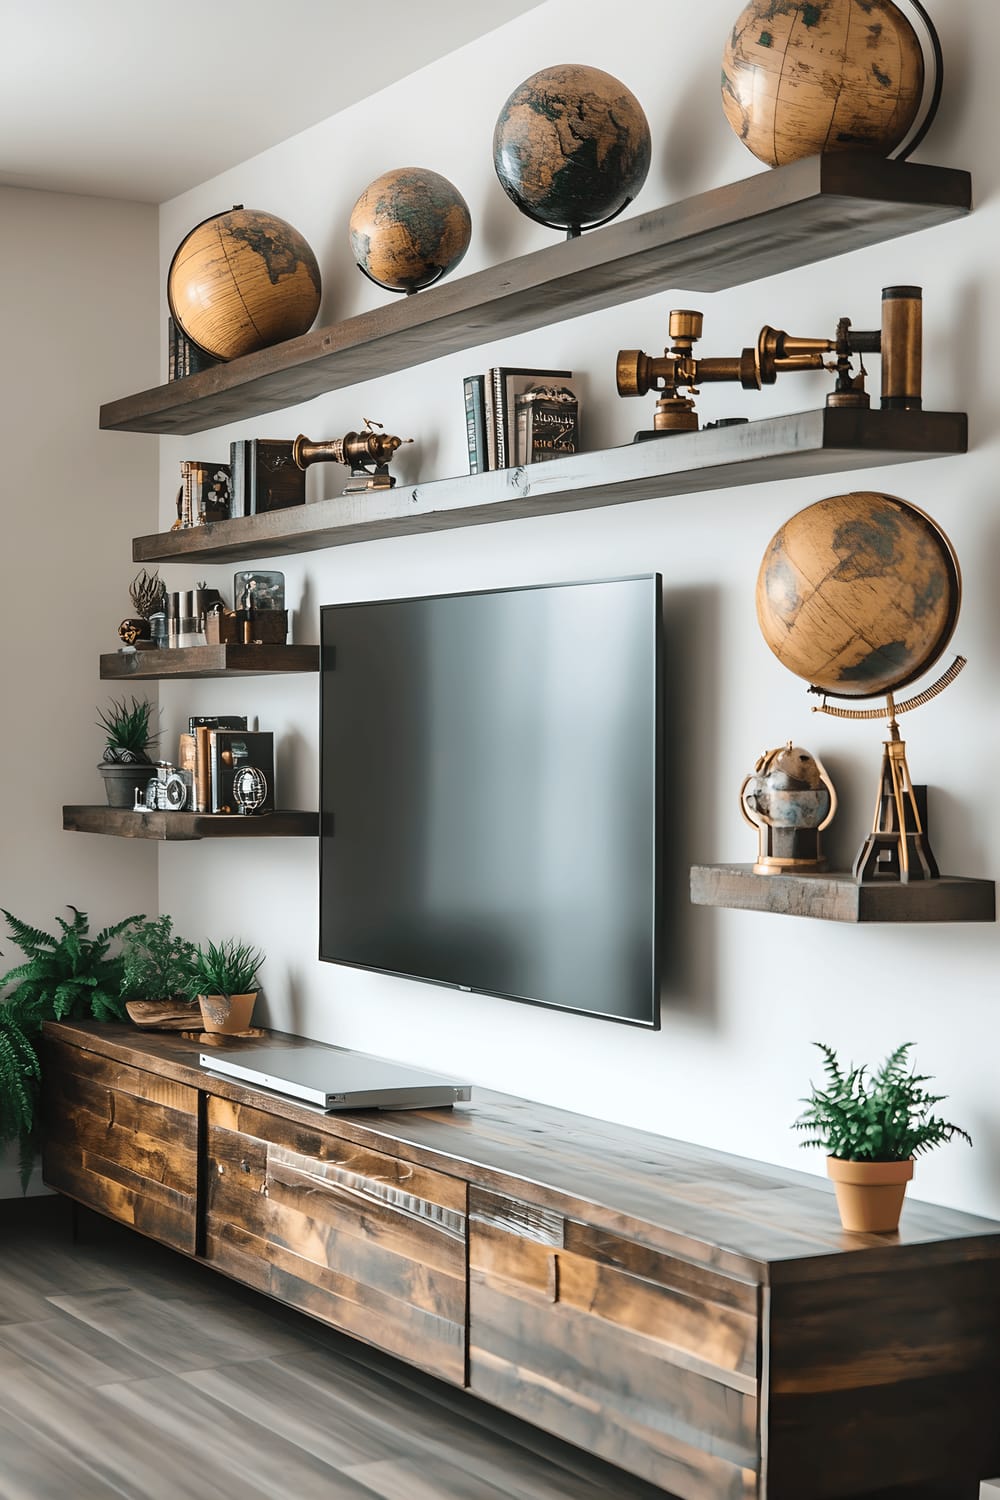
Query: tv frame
[[656, 579]]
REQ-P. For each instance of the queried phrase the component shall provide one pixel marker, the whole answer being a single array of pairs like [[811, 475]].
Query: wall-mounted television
[[490, 792]]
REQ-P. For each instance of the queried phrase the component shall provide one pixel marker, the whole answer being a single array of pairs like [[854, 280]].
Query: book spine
[[237, 465], [499, 402], [489, 418], [250, 480], [475, 422], [202, 782]]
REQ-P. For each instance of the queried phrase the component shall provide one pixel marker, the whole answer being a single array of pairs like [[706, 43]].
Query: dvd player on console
[[336, 1078]]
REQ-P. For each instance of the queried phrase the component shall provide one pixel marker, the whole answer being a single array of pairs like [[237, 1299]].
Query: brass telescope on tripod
[[366, 454], [898, 341]]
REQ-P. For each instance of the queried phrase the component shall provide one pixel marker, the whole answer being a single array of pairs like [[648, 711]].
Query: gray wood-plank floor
[[126, 1370]]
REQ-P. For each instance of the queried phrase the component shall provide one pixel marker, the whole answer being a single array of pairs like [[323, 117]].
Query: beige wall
[[79, 325]]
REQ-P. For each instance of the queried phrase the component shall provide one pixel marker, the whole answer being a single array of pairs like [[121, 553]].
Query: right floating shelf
[[838, 897]]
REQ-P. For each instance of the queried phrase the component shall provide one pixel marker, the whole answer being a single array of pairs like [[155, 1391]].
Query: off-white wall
[[80, 325], [744, 994]]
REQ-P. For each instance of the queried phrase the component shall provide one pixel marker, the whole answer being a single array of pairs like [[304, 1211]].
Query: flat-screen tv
[[490, 792]]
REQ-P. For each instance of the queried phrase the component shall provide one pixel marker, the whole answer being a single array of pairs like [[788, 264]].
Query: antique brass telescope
[[367, 454], [899, 342]]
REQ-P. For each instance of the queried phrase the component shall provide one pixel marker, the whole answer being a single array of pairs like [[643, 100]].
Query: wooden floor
[[126, 1370]]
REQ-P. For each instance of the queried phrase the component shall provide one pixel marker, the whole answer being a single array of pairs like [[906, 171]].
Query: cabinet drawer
[[643, 1359], [373, 1245], [121, 1141]]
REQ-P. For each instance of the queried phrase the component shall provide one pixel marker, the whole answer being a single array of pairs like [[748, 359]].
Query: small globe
[[409, 228], [835, 75], [571, 147], [242, 281], [859, 594]]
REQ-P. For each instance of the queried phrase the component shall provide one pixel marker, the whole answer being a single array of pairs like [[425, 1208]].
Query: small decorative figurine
[[789, 799], [147, 592]]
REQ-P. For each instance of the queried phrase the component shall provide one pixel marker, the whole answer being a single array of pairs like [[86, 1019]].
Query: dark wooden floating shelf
[[838, 897], [123, 823], [208, 661], [805, 443], [774, 221]]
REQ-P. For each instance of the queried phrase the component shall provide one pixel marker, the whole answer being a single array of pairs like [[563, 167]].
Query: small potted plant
[[156, 963], [223, 979], [125, 766], [872, 1124]]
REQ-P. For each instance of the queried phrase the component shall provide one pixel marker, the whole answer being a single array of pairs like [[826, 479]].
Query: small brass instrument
[[897, 847], [899, 342], [367, 454]]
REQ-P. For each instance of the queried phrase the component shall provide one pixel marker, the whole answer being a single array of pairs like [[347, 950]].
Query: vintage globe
[[571, 146], [242, 281], [836, 75], [409, 228], [859, 594]]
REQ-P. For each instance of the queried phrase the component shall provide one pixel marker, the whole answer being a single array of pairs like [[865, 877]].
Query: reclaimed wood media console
[[693, 1318]]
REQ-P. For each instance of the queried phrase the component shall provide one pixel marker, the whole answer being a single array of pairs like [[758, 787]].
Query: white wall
[[80, 325], [744, 994]]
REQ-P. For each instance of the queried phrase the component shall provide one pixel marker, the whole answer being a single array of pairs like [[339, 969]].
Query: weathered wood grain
[[658, 1381], [208, 661], [694, 1319], [903, 1367], [366, 1242], [830, 440], [123, 823], [837, 897], [770, 222], [121, 1140]]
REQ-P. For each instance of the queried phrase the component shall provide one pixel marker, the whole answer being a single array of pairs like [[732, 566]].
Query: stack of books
[[214, 751], [183, 357], [518, 416], [265, 476]]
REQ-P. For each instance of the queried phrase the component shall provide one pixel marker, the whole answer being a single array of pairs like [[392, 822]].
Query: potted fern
[[223, 979], [64, 977], [156, 963], [128, 731], [873, 1123]]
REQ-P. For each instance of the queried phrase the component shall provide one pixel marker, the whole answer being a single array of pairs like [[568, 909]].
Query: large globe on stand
[[409, 228], [799, 78], [571, 147], [859, 594], [241, 281]]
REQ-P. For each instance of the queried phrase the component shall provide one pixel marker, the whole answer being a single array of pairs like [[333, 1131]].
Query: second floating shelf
[[208, 661], [830, 440], [122, 822], [838, 897]]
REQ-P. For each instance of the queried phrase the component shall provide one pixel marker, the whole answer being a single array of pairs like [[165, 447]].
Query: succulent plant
[[148, 593], [127, 728]]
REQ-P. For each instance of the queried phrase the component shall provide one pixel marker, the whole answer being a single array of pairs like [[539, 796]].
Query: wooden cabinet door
[[646, 1360], [122, 1141], [369, 1243]]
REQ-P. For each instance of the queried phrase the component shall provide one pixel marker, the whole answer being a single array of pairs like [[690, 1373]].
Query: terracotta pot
[[227, 1013], [869, 1193]]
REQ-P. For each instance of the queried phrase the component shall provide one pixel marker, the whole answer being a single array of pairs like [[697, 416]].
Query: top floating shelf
[[774, 221]]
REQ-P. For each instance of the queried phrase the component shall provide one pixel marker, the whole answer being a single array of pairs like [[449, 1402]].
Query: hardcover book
[[228, 752], [475, 422], [506, 384], [264, 476]]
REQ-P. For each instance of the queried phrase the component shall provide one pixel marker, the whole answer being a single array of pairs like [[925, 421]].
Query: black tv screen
[[490, 792]]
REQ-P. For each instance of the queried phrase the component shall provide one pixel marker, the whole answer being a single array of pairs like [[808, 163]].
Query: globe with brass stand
[[859, 594]]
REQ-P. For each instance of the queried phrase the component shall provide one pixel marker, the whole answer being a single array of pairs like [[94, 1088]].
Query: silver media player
[[336, 1078]]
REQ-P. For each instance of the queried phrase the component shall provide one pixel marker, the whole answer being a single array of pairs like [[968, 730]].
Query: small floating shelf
[[830, 440], [123, 823], [776, 220], [208, 661], [838, 897]]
